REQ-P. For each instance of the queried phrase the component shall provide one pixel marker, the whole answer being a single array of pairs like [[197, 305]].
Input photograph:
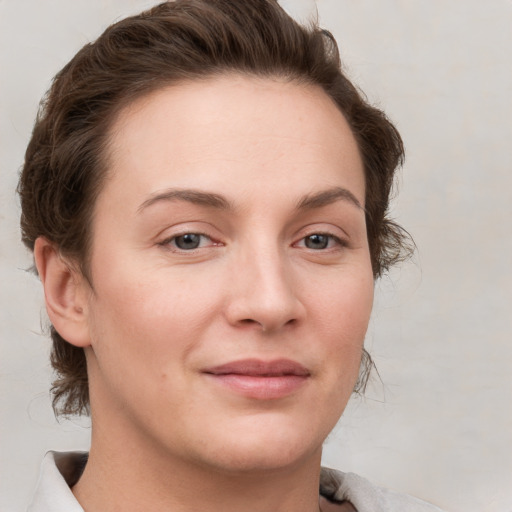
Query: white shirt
[[60, 470]]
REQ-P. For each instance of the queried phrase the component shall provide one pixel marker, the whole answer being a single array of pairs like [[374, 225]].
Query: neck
[[123, 474]]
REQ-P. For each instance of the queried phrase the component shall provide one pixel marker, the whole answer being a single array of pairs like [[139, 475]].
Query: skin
[[259, 285]]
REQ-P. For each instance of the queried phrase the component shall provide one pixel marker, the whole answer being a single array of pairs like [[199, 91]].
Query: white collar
[[53, 492], [60, 470]]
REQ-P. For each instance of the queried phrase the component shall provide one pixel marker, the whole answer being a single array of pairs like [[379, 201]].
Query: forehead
[[214, 130]]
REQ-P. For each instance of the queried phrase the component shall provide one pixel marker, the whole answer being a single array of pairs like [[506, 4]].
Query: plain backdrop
[[439, 426]]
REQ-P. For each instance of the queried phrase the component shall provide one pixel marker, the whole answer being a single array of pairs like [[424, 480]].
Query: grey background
[[440, 424]]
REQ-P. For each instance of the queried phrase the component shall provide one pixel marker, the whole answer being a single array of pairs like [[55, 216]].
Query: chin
[[262, 446], [263, 459]]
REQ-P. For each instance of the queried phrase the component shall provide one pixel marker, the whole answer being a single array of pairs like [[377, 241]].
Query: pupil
[[188, 241], [317, 241]]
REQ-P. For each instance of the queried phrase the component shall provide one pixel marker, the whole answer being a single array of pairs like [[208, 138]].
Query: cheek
[[346, 304], [146, 324], [343, 313], [141, 335]]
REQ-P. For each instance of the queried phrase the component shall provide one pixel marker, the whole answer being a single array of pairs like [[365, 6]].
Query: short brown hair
[[170, 43]]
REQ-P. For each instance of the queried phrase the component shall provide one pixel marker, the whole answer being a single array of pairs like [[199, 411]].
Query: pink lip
[[262, 380]]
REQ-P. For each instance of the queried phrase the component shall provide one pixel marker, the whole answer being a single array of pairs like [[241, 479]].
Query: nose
[[264, 292]]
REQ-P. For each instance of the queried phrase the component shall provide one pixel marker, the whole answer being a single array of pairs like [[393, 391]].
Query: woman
[[205, 194]]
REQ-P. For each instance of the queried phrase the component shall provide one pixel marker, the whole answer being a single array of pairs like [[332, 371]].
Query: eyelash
[[339, 242], [170, 242]]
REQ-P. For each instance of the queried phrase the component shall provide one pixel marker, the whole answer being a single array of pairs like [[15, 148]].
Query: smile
[[260, 380]]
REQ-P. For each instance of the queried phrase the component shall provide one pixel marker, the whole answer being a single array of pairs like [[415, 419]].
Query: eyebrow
[[326, 197], [198, 197], [217, 201]]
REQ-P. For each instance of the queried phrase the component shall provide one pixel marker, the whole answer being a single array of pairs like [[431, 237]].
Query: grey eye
[[188, 241], [317, 241]]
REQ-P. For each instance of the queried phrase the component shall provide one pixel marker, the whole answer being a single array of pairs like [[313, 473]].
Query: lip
[[258, 379]]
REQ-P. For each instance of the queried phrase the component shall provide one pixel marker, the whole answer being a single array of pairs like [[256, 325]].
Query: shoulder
[[367, 497]]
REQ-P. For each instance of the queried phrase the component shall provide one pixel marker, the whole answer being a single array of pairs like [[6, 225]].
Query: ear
[[66, 292]]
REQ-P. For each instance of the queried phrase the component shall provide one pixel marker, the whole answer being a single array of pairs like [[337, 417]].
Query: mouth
[[260, 380]]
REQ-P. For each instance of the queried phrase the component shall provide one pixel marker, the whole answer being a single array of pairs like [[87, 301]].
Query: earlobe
[[65, 293]]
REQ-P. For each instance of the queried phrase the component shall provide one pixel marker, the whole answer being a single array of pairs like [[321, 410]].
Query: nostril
[[248, 321]]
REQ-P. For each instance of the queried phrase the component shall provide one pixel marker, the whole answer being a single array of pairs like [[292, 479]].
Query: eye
[[316, 241], [188, 241], [320, 241]]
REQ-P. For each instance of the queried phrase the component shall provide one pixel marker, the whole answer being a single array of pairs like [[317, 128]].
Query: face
[[232, 283]]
